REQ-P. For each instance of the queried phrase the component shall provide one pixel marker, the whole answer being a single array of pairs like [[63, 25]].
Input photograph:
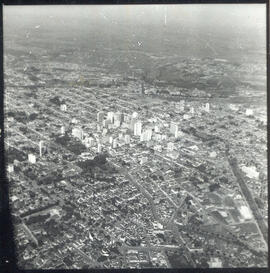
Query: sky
[[221, 15], [221, 26]]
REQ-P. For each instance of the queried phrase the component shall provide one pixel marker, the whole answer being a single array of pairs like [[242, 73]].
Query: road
[[249, 199]]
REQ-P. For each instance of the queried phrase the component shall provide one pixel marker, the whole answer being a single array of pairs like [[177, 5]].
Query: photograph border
[[8, 261]]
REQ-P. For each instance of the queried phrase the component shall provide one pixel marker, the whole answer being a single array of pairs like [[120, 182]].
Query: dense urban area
[[164, 168]]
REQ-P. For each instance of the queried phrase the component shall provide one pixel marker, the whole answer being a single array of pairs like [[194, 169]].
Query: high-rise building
[[174, 128], [99, 148], [138, 128], [132, 123], [110, 116], [126, 118], [78, 133], [233, 107], [41, 148], [115, 143], [104, 131], [182, 105], [89, 141], [191, 110], [63, 130], [158, 148], [74, 121], [32, 158], [100, 116], [142, 89], [249, 112], [106, 123], [179, 134], [99, 127], [143, 160], [207, 107], [10, 168], [127, 139], [135, 115], [143, 136], [157, 137], [163, 137], [149, 134], [63, 107], [157, 130], [110, 139], [118, 118], [117, 123], [215, 262], [146, 135], [170, 146], [182, 102]]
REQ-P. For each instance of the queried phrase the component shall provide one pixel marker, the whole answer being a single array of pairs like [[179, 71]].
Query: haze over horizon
[[216, 30]]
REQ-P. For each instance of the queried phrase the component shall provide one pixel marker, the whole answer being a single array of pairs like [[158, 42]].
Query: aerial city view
[[136, 136]]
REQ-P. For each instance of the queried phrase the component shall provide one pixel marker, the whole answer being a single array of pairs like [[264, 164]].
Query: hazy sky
[[249, 15], [220, 27]]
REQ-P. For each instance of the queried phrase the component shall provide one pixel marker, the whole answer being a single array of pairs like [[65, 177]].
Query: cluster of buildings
[[165, 194]]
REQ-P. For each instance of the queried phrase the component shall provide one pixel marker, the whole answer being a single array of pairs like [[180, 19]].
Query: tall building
[[157, 130], [104, 131], [249, 112], [10, 168], [89, 141], [174, 128], [163, 137], [207, 107], [32, 158], [157, 137], [115, 143], [179, 134], [99, 127], [146, 135], [99, 148], [118, 118], [126, 118], [127, 139], [41, 148], [191, 110], [74, 121], [138, 128], [110, 116], [149, 134], [110, 139], [63, 107], [106, 123], [100, 116], [182, 105], [135, 115], [143, 160], [117, 123], [215, 262], [170, 147], [132, 123], [143, 136], [142, 89], [63, 130], [234, 107], [78, 133]]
